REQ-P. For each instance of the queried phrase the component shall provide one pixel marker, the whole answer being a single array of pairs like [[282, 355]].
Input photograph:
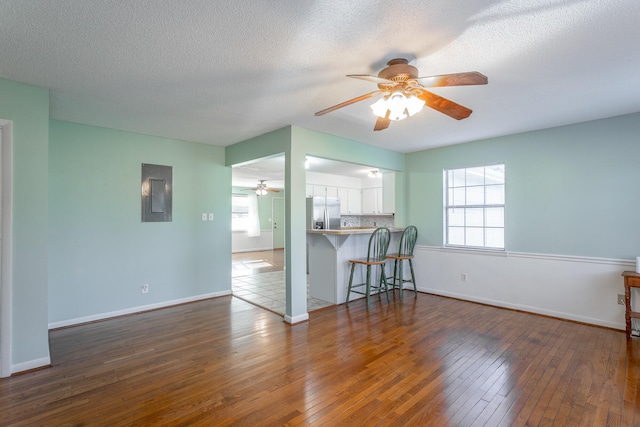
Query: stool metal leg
[[413, 277], [353, 266], [395, 272], [401, 280], [383, 280], [368, 292]]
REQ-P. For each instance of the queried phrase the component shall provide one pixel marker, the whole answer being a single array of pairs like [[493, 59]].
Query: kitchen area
[[345, 203], [342, 213]]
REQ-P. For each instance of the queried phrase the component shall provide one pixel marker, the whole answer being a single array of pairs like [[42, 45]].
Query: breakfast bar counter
[[329, 253]]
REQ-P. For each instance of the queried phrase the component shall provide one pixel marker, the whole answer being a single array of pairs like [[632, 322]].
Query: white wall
[[576, 288]]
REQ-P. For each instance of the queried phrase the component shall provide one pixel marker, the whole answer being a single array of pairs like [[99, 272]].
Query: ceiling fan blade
[[445, 106], [458, 79], [382, 123], [349, 102], [273, 190], [373, 79]]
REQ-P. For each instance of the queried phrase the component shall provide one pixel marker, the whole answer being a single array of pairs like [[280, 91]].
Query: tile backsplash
[[367, 221]]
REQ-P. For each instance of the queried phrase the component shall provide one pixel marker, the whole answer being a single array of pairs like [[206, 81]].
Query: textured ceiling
[[221, 72]]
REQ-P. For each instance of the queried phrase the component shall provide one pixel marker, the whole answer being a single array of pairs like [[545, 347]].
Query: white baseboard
[[296, 319], [30, 364], [526, 308], [237, 251], [132, 310]]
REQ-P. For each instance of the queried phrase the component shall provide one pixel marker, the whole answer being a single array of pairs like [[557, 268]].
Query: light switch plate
[[210, 216], [204, 216]]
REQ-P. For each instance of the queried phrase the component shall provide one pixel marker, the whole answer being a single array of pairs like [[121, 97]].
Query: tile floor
[[258, 278], [267, 290]]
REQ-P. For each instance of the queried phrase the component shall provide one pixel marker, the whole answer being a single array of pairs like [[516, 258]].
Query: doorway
[[277, 208]]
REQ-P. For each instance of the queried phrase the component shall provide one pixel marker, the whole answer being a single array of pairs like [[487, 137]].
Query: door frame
[[6, 245]]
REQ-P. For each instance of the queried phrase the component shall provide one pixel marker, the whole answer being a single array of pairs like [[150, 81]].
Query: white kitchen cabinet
[[343, 193], [320, 191], [354, 201], [372, 200], [325, 191], [309, 190]]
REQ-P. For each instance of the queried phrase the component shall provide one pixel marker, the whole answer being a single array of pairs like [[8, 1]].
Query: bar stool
[[405, 253], [376, 255]]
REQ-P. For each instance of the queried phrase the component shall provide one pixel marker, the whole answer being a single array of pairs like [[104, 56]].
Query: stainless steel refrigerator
[[323, 213]]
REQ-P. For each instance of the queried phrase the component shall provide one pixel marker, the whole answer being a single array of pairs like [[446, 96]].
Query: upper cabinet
[[377, 198], [343, 194], [354, 201], [323, 191], [372, 201], [350, 201]]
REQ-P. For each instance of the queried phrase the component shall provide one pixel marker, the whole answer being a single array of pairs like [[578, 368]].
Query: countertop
[[353, 230]]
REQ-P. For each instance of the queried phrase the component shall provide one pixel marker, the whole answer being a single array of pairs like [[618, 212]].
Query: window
[[239, 212], [475, 207]]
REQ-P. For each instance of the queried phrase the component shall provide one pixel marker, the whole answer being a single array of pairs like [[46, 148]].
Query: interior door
[[278, 222]]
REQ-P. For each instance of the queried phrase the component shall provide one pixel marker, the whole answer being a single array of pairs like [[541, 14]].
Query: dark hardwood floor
[[427, 361]]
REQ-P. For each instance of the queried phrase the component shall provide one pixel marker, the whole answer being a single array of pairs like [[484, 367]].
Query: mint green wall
[[269, 144], [100, 251], [571, 190], [334, 147], [28, 108]]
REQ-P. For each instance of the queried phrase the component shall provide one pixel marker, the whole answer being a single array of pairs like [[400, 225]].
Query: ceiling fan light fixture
[[261, 192], [375, 173], [380, 107], [398, 105]]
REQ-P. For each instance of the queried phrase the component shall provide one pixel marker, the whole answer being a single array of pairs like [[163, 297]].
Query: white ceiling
[[220, 72]]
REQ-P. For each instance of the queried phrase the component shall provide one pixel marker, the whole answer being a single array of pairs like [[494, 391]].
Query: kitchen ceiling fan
[[404, 93], [261, 189]]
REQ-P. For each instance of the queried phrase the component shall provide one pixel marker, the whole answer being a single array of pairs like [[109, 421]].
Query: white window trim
[[445, 237]]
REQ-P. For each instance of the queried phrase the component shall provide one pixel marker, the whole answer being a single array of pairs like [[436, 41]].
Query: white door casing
[[6, 186]]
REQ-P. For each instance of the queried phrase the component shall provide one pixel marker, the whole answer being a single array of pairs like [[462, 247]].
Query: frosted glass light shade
[[380, 107], [398, 105], [414, 105]]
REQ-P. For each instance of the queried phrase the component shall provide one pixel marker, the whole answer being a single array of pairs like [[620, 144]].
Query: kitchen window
[[474, 200]]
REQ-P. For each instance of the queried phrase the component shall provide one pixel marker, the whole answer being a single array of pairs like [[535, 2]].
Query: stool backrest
[[408, 241], [378, 244]]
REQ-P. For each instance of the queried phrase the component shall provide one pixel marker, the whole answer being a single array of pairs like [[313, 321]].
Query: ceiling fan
[[404, 93], [261, 189]]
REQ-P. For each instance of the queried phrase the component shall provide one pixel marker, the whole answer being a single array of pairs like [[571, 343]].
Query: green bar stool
[[376, 255], [405, 253]]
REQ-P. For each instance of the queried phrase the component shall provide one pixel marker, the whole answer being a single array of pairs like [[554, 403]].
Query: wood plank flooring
[[427, 361]]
